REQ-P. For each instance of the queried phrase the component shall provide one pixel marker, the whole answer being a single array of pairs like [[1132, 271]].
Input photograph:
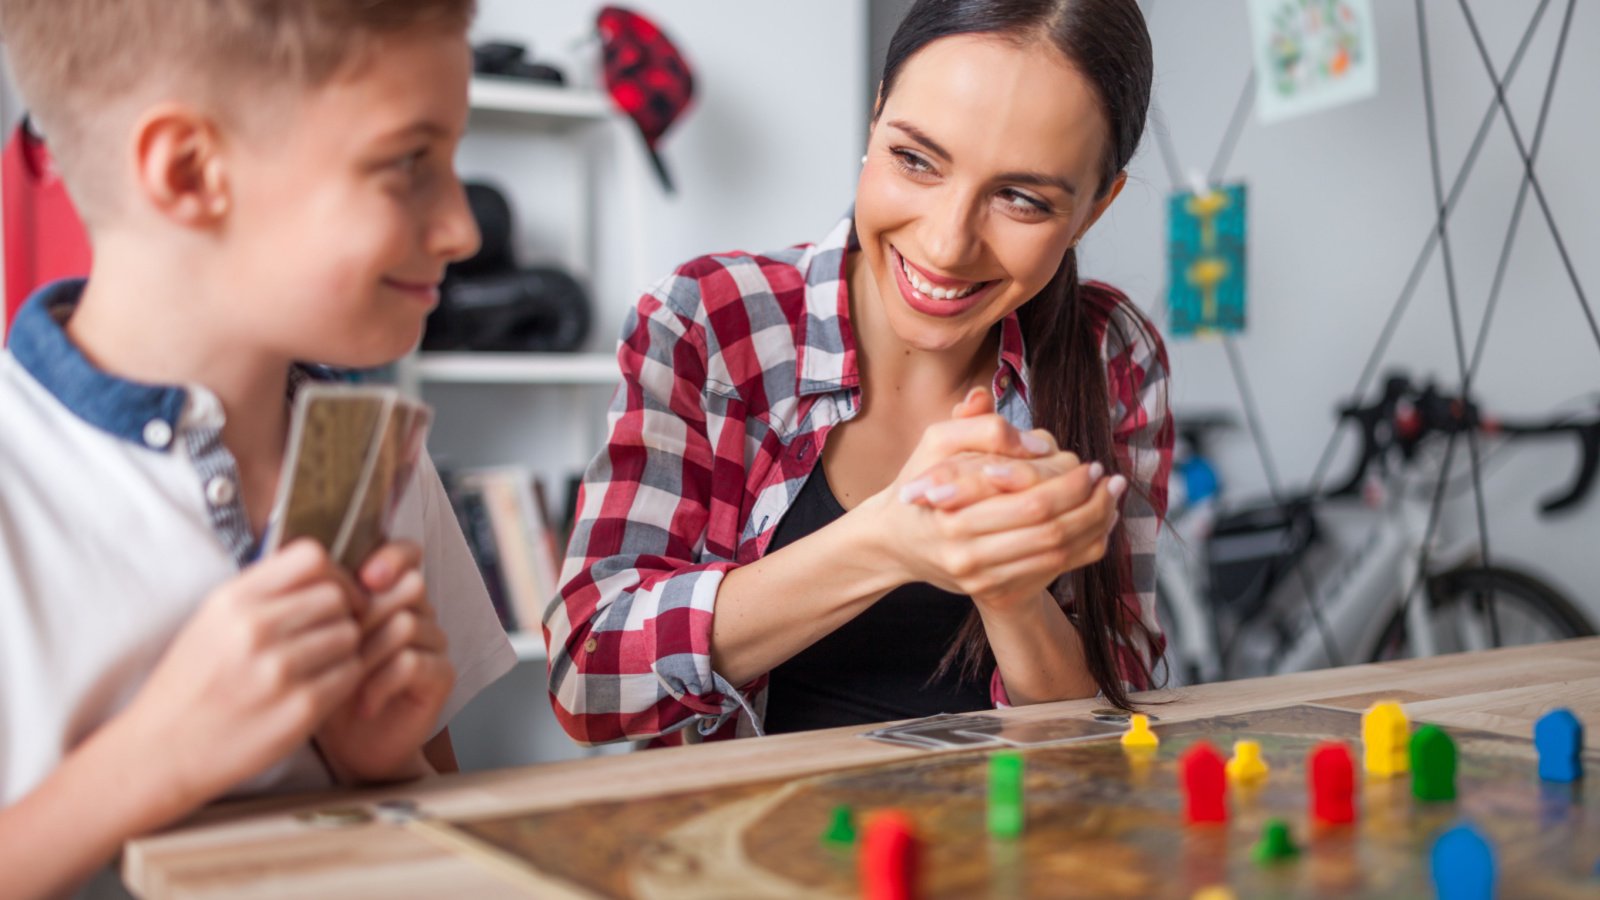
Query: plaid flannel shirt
[[735, 369]]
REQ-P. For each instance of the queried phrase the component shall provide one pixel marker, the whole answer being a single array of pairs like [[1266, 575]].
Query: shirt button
[[220, 491], [591, 645], [157, 434], [1005, 383]]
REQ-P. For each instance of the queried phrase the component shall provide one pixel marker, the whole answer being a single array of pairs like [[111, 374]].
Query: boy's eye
[[411, 161]]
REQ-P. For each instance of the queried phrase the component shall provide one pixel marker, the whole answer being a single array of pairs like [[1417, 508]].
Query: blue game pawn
[[1463, 865], [1558, 735]]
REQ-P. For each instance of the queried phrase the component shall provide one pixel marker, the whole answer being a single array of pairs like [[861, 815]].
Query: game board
[[1099, 823]]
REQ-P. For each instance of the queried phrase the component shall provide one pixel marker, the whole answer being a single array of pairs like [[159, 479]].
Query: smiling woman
[[887, 475]]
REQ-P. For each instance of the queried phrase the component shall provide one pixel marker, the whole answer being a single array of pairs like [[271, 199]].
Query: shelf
[[534, 103], [516, 368], [529, 646]]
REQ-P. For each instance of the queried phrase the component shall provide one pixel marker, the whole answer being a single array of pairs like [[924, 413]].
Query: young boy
[[265, 182]]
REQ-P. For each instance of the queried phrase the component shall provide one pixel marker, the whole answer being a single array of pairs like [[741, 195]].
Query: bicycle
[[1354, 557]]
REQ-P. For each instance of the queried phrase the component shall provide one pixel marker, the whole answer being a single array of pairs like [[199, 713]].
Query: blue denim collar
[[39, 342]]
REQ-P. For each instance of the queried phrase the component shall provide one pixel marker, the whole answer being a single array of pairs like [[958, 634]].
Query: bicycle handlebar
[[1403, 417]]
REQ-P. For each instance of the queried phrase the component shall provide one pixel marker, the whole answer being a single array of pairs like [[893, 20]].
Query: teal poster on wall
[[1206, 260]]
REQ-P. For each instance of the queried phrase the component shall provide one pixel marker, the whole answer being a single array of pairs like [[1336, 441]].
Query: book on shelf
[[504, 515]]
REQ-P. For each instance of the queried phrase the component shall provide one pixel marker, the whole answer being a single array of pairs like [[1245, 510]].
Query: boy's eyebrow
[[1036, 179], [427, 128]]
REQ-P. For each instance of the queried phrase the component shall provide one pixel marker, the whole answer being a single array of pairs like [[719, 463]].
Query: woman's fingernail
[[1035, 444], [1117, 485], [1095, 472], [997, 470], [913, 491], [941, 493]]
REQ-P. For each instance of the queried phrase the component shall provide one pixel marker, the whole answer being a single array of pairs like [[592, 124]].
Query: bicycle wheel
[[1527, 610]]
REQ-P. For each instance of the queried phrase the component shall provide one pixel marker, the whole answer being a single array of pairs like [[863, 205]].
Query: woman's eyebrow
[[916, 134], [1035, 179]]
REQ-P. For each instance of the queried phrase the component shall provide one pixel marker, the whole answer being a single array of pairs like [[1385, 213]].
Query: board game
[[1100, 822]]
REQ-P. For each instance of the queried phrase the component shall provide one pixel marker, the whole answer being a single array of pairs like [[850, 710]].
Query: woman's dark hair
[[1106, 41]]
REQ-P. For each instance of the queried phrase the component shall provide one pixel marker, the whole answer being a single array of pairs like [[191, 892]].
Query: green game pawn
[[1433, 764], [1005, 794], [841, 828], [1276, 845]]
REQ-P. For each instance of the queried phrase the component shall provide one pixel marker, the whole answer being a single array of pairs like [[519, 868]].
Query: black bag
[[487, 303], [1251, 550]]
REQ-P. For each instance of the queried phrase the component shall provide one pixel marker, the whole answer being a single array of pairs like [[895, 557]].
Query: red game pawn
[[888, 858], [1205, 784], [1333, 784]]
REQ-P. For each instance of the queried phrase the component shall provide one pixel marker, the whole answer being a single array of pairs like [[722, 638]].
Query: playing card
[[391, 460], [352, 449], [1052, 731]]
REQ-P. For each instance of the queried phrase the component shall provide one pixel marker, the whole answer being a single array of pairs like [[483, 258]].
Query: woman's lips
[[934, 306]]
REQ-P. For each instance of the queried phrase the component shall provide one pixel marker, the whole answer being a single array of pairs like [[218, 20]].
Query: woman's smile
[[936, 295]]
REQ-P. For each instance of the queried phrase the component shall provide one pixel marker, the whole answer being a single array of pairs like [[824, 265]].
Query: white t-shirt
[[119, 514]]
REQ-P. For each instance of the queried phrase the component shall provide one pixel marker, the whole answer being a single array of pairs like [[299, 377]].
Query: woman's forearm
[[773, 608], [1039, 652]]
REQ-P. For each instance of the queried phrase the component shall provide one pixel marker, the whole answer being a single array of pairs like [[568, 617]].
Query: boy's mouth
[[423, 291]]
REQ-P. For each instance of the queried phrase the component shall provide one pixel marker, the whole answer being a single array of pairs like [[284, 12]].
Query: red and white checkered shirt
[[735, 369]]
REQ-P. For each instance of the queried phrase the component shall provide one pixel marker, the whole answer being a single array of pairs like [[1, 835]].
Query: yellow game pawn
[[1247, 766], [1139, 734], [1386, 735], [1215, 892]]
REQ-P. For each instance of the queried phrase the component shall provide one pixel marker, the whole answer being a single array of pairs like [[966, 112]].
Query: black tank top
[[876, 667]]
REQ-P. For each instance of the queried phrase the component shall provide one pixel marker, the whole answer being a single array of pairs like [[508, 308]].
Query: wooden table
[[260, 849]]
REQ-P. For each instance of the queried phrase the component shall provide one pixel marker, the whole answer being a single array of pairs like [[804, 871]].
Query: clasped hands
[[984, 509]]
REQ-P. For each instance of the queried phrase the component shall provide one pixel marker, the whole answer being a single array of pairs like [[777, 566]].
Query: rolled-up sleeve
[[629, 633]]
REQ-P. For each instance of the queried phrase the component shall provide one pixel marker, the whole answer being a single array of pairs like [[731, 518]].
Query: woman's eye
[[912, 163], [1024, 203]]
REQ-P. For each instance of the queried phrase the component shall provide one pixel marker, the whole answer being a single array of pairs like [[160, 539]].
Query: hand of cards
[[352, 449]]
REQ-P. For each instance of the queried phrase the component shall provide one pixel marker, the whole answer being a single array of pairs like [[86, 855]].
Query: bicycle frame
[[1377, 552]]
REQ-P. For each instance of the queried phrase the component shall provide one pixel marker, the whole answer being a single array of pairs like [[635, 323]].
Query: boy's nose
[[455, 233]]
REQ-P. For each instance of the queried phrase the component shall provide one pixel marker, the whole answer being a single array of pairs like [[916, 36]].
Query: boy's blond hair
[[74, 59]]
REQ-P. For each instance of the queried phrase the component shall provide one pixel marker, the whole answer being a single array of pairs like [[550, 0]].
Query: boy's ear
[[181, 168]]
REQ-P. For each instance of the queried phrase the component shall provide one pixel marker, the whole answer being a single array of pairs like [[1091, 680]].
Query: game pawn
[[1139, 736], [1433, 764], [1384, 735], [888, 858], [1006, 813], [1276, 844], [841, 831], [1247, 768], [1463, 865], [1558, 735], [1205, 785], [1333, 784]]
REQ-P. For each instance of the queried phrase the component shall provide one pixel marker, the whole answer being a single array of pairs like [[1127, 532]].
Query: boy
[[264, 182]]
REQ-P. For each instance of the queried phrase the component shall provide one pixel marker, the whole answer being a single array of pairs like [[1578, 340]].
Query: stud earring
[[863, 159]]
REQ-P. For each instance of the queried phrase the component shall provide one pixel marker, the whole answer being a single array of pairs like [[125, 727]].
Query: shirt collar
[[144, 414], [827, 348]]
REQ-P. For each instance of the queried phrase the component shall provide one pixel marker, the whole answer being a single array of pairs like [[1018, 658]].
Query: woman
[[832, 492]]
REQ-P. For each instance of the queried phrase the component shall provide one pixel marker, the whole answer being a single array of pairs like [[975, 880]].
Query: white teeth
[[925, 288]]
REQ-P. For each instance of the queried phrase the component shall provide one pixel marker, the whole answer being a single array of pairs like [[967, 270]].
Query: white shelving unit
[[543, 146], [536, 105], [516, 368]]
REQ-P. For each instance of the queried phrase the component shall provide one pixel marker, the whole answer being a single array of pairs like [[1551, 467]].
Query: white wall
[[767, 157], [1340, 204]]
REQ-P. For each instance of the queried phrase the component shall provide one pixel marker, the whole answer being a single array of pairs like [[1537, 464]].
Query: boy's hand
[[378, 732], [264, 660]]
